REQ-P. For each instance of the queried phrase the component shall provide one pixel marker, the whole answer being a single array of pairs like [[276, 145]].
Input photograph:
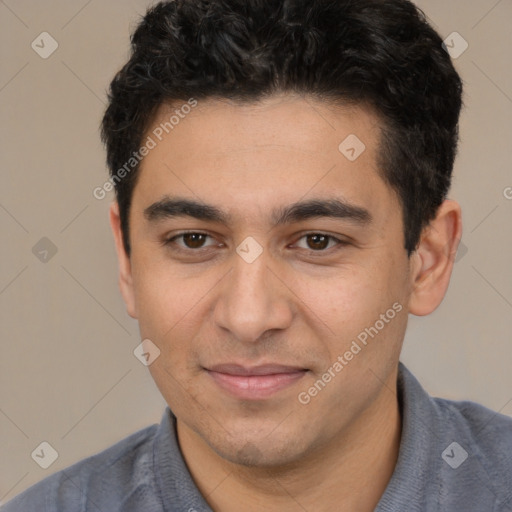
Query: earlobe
[[125, 268], [434, 259]]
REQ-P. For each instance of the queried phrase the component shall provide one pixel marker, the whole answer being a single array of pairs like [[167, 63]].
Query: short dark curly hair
[[382, 54]]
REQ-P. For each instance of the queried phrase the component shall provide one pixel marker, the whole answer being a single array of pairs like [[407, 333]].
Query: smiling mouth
[[254, 383]]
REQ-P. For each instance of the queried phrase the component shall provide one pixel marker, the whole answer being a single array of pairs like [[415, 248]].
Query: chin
[[259, 451]]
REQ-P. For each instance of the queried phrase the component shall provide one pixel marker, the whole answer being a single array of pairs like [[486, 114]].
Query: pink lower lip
[[255, 387]]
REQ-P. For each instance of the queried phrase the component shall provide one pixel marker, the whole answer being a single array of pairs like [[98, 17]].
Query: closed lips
[[267, 369]]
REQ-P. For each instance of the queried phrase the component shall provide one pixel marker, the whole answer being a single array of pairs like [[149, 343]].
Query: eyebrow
[[168, 208]]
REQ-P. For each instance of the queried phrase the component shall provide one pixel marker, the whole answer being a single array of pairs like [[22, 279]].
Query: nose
[[253, 301]]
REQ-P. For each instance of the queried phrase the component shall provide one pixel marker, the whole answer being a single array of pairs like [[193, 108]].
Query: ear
[[434, 259], [125, 268]]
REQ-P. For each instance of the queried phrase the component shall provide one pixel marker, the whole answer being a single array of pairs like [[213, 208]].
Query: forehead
[[299, 123], [249, 157]]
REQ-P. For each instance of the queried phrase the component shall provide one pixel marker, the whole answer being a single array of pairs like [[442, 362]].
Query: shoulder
[[454, 455], [485, 435], [490, 430], [100, 481]]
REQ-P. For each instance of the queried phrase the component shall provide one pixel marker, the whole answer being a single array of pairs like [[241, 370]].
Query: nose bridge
[[250, 278], [252, 301]]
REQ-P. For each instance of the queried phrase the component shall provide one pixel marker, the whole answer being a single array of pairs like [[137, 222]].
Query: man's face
[[220, 316]]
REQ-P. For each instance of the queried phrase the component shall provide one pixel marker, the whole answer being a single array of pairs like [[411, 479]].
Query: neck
[[349, 473]]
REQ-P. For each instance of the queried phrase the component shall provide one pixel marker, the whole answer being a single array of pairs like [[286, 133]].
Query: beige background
[[68, 374]]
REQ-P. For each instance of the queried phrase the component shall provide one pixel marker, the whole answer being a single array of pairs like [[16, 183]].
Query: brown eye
[[194, 240], [317, 242], [191, 240]]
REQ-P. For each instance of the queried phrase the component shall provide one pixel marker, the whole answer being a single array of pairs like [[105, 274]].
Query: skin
[[299, 303]]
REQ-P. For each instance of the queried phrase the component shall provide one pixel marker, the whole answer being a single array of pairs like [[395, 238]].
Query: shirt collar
[[177, 489], [419, 420]]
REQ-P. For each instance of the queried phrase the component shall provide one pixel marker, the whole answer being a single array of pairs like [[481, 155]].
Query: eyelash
[[170, 242]]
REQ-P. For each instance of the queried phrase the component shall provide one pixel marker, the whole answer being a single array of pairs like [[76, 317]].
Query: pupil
[[319, 241], [194, 240]]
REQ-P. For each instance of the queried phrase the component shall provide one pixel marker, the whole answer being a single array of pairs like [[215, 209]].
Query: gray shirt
[[454, 456]]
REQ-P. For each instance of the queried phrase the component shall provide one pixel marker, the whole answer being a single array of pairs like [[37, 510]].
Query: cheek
[[350, 301], [157, 304], [164, 297], [175, 314], [348, 298]]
